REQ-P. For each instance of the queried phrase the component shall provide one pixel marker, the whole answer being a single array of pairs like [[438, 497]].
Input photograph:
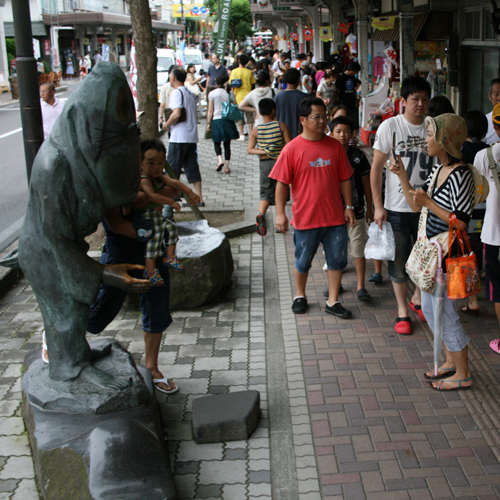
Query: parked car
[[166, 57]]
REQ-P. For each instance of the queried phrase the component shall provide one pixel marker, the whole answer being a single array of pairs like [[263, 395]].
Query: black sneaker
[[363, 295], [299, 305], [326, 291], [338, 310]]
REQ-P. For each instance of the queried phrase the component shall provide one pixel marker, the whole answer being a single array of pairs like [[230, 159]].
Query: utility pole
[[27, 75]]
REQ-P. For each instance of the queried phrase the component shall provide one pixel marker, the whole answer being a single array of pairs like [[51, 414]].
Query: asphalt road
[[13, 180]]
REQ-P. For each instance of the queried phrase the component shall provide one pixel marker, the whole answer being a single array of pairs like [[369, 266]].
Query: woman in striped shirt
[[453, 192]]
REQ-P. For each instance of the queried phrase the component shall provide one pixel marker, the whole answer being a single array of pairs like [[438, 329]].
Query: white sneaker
[[242, 138]]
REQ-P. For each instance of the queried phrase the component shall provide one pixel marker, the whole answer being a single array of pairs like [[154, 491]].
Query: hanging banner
[[196, 10], [325, 34], [308, 34], [294, 37], [224, 14], [383, 23], [344, 27], [133, 74]]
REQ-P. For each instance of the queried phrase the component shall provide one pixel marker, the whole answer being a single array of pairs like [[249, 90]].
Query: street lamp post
[[27, 75]]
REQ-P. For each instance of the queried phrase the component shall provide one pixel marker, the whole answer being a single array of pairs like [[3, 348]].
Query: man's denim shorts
[[405, 228], [334, 240]]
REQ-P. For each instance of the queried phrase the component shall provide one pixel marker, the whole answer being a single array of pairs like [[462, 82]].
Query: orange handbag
[[463, 273]]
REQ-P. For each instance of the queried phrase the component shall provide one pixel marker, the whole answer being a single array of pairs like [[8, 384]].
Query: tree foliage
[[240, 22]]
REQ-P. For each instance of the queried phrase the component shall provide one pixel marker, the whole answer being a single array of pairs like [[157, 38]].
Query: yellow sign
[[383, 23], [325, 33], [85, 41], [196, 10]]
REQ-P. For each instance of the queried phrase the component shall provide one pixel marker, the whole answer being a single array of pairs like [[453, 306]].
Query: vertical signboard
[[224, 15]]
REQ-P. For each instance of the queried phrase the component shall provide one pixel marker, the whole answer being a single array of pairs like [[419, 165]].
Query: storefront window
[[488, 27], [473, 25]]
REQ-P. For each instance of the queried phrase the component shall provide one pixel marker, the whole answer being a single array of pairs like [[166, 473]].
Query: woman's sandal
[[219, 167], [494, 345], [471, 312], [227, 171], [418, 310], [448, 373], [441, 386]]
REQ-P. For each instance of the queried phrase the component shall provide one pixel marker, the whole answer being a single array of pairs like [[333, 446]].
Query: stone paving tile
[[364, 385]]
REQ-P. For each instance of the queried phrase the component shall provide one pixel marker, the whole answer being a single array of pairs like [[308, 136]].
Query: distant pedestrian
[[182, 148], [97, 57], [288, 101], [494, 97], [213, 72], [51, 107]]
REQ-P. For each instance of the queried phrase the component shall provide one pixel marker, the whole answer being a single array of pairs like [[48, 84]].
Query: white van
[[166, 57], [193, 56]]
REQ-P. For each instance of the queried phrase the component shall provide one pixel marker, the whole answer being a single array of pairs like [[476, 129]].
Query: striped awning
[[392, 35]]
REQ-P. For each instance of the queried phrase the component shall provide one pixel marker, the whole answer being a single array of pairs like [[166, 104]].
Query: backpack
[[481, 186]]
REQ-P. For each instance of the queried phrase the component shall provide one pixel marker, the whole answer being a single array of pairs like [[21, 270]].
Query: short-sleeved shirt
[[490, 233], [287, 109], [214, 72], [185, 131], [456, 194], [314, 169], [410, 145], [361, 167], [255, 96], [247, 80], [218, 96], [50, 113], [326, 91], [491, 136]]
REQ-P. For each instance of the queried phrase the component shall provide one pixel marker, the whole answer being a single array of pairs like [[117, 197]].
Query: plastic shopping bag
[[380, 244]]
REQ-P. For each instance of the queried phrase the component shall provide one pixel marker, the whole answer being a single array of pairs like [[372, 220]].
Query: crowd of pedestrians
[[301, 119]]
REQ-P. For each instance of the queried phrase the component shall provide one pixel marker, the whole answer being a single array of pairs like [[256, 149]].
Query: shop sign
[[85, 41], [383, 23], [325, 34], [294, 37], [46, 47], [196, 10], [99, 39], [308, 34]]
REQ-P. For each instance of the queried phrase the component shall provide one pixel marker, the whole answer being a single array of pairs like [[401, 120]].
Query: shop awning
[[105, 19], [37, 28], [392, 35]]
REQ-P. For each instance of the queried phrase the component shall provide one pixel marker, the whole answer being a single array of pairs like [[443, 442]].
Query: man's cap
[[450, 132], [495, 116]]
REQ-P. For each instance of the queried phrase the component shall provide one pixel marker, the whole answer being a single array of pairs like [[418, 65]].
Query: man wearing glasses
[[317, 168]]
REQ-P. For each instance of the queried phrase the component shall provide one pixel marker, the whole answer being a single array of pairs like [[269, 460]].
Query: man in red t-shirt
[[317, 168]]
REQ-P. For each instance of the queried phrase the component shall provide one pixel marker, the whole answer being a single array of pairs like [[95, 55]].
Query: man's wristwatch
[[349, 207]]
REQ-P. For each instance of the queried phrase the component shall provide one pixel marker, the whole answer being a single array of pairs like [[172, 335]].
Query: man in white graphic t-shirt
[[406, 134], [494, 97]]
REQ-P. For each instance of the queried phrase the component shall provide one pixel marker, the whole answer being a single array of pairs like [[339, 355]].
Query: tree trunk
[[146, 61]]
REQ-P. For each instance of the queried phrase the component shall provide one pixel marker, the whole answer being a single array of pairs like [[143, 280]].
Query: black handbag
[[183, 117]]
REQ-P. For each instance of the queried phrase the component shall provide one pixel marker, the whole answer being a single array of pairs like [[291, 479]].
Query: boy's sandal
[[441, 386], [155, 279], [173, 263], [447, 373], [261, 225]]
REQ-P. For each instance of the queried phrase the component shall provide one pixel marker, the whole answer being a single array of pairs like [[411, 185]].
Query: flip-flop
[[494, 345], [165, 381], [441, 386], [468, 310], [448, 373], [44, 349], [219, 167]]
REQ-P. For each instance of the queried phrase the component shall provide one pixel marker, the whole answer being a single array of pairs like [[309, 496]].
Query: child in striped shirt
[[267, 140]]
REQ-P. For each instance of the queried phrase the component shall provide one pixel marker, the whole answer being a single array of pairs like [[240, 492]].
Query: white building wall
[[35, 11]]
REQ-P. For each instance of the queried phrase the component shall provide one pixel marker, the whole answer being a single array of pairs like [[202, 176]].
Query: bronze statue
[[88, 165]]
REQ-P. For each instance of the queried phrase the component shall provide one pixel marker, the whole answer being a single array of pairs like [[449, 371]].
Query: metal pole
[[29, 94]]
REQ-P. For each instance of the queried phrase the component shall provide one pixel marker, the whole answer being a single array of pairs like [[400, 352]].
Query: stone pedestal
[[205, 253], [96, 452]]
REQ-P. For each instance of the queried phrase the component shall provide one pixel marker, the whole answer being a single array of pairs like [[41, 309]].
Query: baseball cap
[[495, 116]]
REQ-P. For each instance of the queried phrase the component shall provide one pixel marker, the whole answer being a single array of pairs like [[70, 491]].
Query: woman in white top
[[306, 80], [222, 130], [326, 89], [264, 91]]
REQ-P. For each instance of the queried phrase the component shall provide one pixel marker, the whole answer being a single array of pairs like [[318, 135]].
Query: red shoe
[[403, 326], [418, 310]]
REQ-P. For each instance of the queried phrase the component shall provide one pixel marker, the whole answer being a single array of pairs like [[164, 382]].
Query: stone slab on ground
[[226, 417]]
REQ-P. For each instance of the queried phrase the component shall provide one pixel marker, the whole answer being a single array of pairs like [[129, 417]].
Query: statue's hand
[[117, 275]]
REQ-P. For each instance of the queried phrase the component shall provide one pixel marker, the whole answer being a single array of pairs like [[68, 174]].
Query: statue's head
[[98, 132]]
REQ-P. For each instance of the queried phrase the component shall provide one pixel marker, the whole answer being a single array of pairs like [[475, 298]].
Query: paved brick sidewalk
[[380, 432], [346, 414]]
